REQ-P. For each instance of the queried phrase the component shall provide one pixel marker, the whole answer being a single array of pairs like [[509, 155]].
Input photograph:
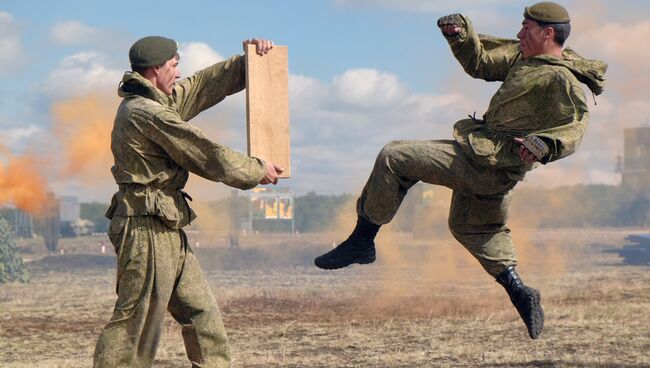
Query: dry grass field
[[425, 303]]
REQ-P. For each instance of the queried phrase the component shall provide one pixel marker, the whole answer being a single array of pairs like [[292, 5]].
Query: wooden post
[[267, 106]]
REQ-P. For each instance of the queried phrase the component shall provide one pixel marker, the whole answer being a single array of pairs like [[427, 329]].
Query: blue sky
[[362, 73]]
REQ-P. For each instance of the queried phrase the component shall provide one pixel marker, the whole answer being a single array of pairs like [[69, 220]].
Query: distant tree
[[11, 265], [94, 212], [8, 213], [590, 205], [314, 212], [581, 205]]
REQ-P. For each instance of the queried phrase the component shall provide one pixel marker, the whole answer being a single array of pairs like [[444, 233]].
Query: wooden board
[[267, 106]]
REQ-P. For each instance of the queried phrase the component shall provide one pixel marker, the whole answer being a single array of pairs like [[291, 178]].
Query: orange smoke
[[83, 126], [21, 182]]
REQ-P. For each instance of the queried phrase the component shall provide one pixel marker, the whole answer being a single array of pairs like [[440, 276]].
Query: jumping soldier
[[538, 115]]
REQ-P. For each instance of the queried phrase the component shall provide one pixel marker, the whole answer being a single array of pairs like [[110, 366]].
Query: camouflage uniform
[[540, 96], [154, 147]]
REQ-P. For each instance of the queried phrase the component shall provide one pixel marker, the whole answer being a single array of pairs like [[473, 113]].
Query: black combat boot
[[358, 248], [526, 299]]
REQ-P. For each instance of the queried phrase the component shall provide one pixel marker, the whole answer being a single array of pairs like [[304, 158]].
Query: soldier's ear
[[549, 33]]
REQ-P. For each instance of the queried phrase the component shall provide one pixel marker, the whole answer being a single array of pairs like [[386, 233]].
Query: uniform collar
[[589, 72], [133, 84]]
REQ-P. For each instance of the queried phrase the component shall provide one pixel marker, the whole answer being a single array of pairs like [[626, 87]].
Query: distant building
[[70, 208], [23, 224], [71, 223], [635, 164], [270, 209]]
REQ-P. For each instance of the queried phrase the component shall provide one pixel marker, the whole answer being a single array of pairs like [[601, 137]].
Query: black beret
[[152, 51], [547, 12]]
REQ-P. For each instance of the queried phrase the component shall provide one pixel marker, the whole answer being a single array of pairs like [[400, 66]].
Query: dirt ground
[[424, 303]]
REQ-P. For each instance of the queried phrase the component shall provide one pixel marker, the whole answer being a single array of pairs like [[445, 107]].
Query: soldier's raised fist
[[451, 25]]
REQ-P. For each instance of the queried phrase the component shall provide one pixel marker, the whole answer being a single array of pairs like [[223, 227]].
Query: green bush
[[11, 265]]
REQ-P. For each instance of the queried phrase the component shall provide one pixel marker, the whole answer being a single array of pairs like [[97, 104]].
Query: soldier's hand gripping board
[[267, 106]]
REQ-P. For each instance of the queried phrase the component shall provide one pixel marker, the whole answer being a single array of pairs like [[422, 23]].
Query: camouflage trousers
[[479, 204], [157, 272]]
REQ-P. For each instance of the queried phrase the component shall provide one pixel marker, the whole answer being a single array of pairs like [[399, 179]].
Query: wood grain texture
[[267, 106]]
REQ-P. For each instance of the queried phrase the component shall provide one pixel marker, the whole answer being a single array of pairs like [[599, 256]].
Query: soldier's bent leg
[[478, 222], [398, 166], [195, 308], [147, 254], [401, 164]]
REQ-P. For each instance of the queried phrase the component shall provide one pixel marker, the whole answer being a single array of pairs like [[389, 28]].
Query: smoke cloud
[[78, 149], [82, 126], [21, 181]]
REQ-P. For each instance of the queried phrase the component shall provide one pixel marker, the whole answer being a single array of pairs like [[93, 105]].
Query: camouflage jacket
[[154, 147], [540, 96]]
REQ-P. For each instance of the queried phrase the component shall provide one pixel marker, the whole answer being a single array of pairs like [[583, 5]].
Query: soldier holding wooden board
[[155, 148]]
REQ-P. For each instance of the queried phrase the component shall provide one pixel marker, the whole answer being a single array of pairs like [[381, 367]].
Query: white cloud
[[12, 56], [13, 134], [368, 88], [196, 56], [306, 94], [16, 133], [338, 128], [94, 71], [73, 33], [81, 73], [14, 138]]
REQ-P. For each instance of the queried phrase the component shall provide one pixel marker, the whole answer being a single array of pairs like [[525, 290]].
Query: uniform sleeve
[[566, 115], [188, 146], [209, 86], [481, 56]]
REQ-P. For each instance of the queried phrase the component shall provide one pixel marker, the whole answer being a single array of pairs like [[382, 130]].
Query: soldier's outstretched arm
[[188, 146], [209, 86], [483, 57]]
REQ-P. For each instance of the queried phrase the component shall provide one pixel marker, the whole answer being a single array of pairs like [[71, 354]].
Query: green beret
[[152, 51], [547, 12]]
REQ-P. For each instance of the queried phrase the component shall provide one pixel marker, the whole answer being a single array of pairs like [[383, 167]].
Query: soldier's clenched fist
[[451, 25]]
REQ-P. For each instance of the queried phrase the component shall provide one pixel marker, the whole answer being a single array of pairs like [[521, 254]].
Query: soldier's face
[[531, 38], [167, 75]]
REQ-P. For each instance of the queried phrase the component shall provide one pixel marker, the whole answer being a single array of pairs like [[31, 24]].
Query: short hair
[[562, 31], [138, 69]]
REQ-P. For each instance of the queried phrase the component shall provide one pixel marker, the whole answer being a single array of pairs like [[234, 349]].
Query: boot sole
[[343, 265], [536, 315]]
